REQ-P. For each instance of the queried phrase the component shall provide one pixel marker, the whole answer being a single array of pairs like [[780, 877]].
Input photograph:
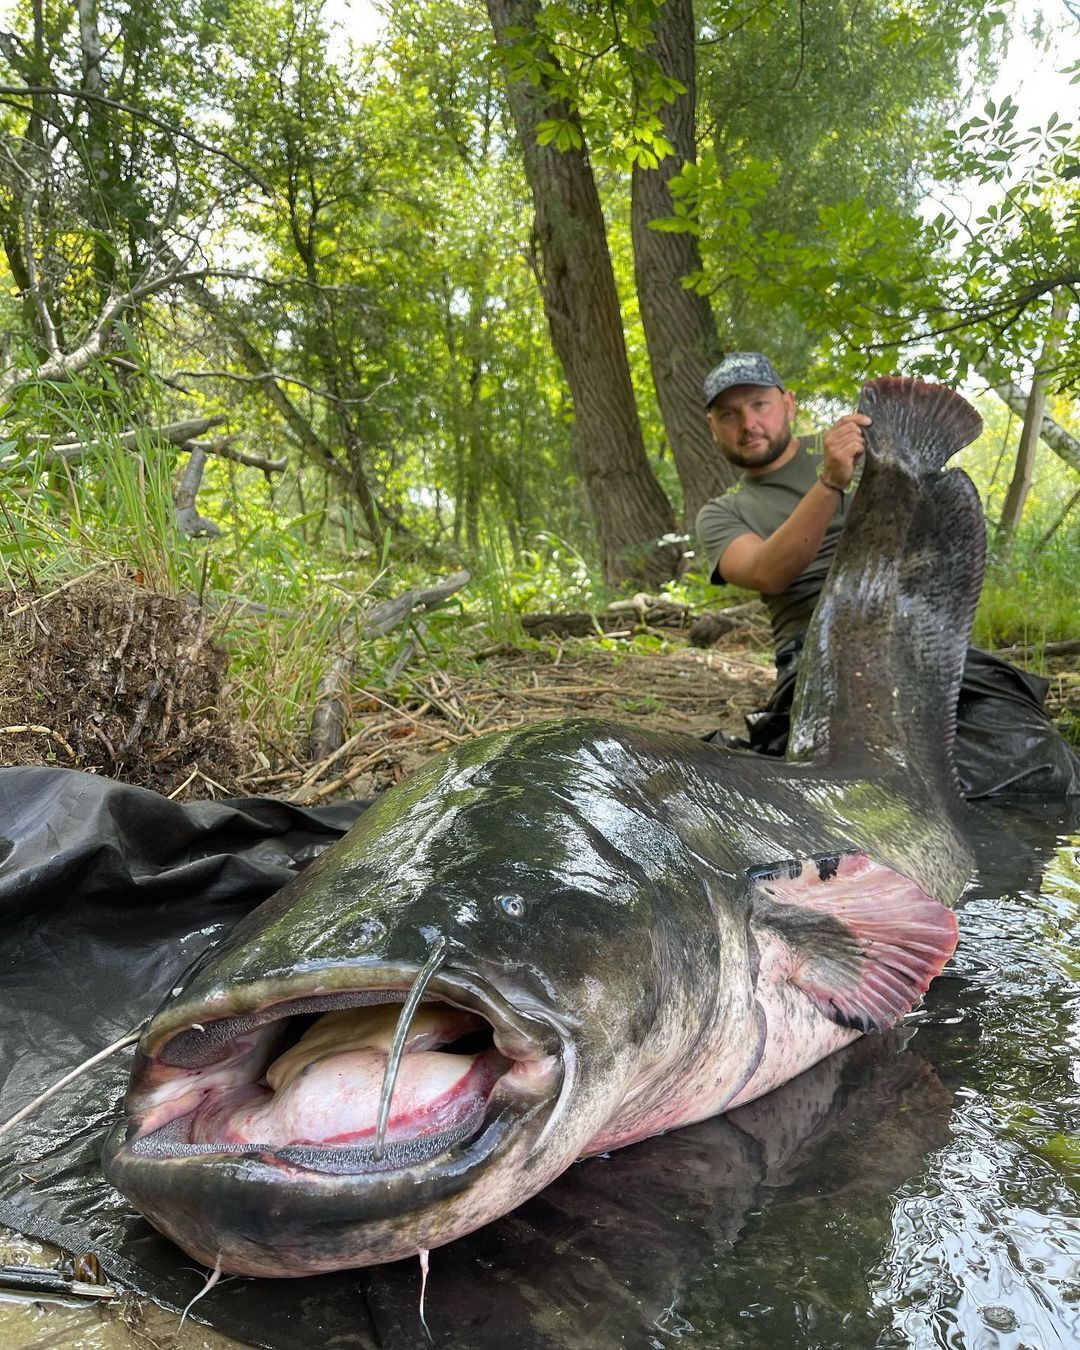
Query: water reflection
[[985, 1248]]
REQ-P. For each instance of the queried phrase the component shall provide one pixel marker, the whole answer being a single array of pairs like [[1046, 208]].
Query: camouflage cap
[[740, 368]]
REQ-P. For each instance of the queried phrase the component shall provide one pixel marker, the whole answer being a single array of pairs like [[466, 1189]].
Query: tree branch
[[190, 522], [8, 91], [1063, 444], [173, 433], [225, 449], [308, 439], [277, 375], [61, 365]]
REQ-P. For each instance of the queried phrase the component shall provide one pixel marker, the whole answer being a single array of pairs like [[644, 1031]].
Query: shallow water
[[918, 1191], [980, 1246], [70, 1324]]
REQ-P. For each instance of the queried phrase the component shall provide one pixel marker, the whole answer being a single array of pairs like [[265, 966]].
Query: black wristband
[[821, 479]]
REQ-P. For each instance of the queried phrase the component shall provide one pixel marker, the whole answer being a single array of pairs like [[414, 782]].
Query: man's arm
[[771, 565]]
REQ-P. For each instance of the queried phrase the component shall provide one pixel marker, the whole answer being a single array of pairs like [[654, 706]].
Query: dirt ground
[[680, 689]]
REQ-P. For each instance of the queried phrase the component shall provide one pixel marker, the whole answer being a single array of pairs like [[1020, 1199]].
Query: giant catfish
[[556, 941]]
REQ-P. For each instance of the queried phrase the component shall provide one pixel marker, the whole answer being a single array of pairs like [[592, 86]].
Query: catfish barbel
[[558, 940]]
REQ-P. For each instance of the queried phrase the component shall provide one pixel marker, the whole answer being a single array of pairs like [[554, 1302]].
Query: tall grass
[[112, 508], [1030, 590], [493, 580], [1030, 594]]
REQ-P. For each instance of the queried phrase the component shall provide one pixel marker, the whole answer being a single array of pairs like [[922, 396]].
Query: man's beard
[[761, 458]]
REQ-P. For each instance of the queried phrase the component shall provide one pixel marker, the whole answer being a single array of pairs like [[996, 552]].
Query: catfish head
[[443, 1012]]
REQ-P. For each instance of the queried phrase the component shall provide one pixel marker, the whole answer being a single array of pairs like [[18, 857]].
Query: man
[[775, 532]]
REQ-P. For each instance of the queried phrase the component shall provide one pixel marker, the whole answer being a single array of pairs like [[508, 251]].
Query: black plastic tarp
[[108, 892], [1005, 745]]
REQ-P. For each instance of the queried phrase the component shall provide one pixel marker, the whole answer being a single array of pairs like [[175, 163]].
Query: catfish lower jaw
[[263, 1214]]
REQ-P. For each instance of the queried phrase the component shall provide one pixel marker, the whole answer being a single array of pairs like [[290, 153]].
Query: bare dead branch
[[349, 288], [174, 433], [191, 523], [227, 450], [63, 366], [132, 368], [328, 719], [261, 377]]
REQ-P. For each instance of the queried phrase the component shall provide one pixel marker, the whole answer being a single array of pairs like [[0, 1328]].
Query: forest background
[[292, 322]]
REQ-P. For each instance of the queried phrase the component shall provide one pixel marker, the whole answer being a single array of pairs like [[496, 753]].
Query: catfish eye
[[513, 905]]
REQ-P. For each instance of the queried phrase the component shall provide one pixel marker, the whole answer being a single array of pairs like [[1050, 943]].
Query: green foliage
[[1031, 600], [812, 234], [117, 509], [613, 86], [552, 574], [816, 133]]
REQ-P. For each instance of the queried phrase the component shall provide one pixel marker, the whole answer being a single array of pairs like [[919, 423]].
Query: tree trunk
[[632, 513], [475, 469], [30, 154], [101, 156], [680, 330], [1029, 436], [1063, 443]]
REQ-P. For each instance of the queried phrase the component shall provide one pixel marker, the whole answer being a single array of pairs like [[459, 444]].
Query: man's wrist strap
[[835, 487]]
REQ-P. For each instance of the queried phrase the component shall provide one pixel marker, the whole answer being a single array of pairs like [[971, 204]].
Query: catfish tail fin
[[920, 425], [885, 650]]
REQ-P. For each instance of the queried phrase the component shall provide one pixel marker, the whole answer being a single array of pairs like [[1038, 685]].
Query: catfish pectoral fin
[[860, 940]]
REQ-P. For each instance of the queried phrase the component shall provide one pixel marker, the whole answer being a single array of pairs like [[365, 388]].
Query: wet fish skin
[[646, 922]]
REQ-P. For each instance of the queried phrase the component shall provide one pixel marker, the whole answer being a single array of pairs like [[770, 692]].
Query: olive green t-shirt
[[759, 506]]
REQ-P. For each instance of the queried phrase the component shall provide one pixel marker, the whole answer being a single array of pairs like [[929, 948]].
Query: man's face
[[751, 424]]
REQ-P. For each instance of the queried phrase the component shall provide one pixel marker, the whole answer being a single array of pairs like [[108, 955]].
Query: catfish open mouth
[[301, 1082]]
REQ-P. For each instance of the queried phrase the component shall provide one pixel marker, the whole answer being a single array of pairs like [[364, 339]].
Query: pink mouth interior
[[325, 1087]]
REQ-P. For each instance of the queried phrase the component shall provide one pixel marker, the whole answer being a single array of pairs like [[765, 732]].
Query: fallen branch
[[173, 433], [655, 609], [312, 795], [226, 450], [67, 585], [1067, 647], [190, 522], [328, 719], [384, 617], [318, 770], [711, 626], [26, 728], [648, 611], [182, 435], [577, 623]]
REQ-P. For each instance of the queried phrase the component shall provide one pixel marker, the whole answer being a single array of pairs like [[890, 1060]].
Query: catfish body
[[620, 931]]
